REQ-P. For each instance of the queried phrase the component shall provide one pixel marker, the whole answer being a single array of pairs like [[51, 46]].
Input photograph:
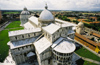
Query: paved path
[[1, 28], [90, 60]]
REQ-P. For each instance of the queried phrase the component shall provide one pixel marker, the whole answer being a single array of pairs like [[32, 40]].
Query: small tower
[[80, 28], [25, 14]]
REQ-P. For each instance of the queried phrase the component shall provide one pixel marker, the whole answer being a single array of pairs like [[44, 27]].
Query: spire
[[46, 7]]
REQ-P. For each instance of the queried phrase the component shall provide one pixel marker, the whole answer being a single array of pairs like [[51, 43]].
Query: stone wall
[[24, 19], [19, 55], [62, 32], [24, 36]]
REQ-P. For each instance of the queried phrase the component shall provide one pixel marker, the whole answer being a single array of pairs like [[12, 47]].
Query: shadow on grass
[[80, 62]]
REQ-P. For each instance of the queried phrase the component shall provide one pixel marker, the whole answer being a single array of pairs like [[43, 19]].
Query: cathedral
[[48, 40]]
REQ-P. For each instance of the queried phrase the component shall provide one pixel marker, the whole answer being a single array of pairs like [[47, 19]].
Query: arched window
[[16, 37], [22, 36], [28, 35]]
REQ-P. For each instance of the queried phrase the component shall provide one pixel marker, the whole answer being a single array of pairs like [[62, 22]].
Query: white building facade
[[80, 28], [25, 14], [44, 38]]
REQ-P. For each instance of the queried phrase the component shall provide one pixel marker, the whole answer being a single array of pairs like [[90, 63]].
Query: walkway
[[90, 60], [6, 24]]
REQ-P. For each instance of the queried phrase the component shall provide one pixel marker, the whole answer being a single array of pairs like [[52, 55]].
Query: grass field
[[86, 53], [3, 44], [4, 39], [89, 63], [11, 13], [89, 13], [14, 24]]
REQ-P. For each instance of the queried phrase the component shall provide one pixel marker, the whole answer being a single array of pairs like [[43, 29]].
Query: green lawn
[[86, 53], [14, 24], [4, 39], [89, 63], [3, 44], [11, 13]]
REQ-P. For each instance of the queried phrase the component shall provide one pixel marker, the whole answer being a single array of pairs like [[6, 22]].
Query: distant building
[[80, 28], [87, 37], [94, 23], [93, 18], [50, 41], [25, 14]]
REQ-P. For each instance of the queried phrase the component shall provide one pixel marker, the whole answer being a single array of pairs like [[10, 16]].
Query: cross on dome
[[46, 7], [25, 9]]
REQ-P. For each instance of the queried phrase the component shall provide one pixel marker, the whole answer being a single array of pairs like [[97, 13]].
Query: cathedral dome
[[46, 15], [25, 12]]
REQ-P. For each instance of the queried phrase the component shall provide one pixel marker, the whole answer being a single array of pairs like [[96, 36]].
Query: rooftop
[[30, 54], [56, 42], [63, 46], [70, 32], [46, 15], [23, 42], [34, 20], [51, 28], [42, 45], [86, 39], [28, 25], [25, 31], [25, 12], [65, 23]]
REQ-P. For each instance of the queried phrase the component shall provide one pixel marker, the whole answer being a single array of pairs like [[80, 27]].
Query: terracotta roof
[[93, 17], [71, 17], [82, 20], [86, 39], [96, 35], [94, 22], [87, 22]]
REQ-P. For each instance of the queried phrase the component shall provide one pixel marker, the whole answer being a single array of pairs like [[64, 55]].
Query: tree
[[98, 18], [76, 21]]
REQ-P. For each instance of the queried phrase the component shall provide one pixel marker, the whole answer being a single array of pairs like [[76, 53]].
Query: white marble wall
[[62, 32], [12, 38], [79, 30], [43, 57], [24, 19], [24, 36], [38, 57], [19, 54]]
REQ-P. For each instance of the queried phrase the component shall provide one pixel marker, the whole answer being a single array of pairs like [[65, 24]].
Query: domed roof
[[65, 47], [46, 15], [81, 24], [25, 12]]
